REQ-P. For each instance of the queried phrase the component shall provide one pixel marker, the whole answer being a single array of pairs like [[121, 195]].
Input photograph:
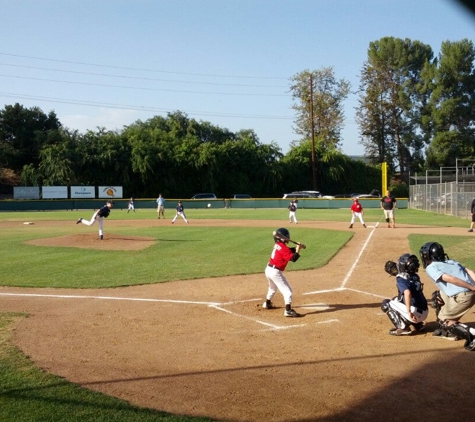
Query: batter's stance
[[100, 214], [280, 257]]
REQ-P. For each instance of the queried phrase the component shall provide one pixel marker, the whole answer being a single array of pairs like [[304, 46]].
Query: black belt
[[273, 266]]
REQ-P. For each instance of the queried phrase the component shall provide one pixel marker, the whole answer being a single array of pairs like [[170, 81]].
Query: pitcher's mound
[[111, 242]]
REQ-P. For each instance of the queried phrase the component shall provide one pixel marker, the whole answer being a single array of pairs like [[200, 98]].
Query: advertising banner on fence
[[110, 192], [83, 192], [26, 192], [54, 192]]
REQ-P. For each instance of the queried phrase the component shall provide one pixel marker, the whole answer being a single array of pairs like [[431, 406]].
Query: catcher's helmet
[[408, 263], [284, 232], [432, 251]]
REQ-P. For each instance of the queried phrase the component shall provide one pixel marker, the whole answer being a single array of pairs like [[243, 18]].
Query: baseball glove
[[391, 268]]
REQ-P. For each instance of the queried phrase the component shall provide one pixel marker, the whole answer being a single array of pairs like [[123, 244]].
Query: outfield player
[[100, 214], [280, 257], [131, 205], [180, 211], [388, 205], [472, 210], [409, 307], [356, 211]]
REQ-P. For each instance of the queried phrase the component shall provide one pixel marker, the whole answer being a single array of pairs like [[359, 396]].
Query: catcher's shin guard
[[397, 320]]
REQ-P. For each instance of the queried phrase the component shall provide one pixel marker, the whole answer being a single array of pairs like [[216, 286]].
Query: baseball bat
[[285, 238]]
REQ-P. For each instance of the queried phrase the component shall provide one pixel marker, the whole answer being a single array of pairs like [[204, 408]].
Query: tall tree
[[393, 101], [318, 101], [319, 94], [453, 104], [23, 132]]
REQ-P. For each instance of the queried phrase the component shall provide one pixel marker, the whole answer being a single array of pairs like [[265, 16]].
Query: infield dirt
[[207, 347]]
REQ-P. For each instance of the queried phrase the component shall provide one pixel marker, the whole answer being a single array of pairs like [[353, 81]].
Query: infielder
[[409, 307], [280, 257], [131, 205], [180, 211], [356, 211], [293, 211], [100, 214]]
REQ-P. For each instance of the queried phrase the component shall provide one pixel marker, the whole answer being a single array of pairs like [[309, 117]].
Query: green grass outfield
[[180, 251]]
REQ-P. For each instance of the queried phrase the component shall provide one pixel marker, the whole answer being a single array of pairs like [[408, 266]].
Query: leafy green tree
[[453, 105], [22, 134], [393, 102], [318, 101]]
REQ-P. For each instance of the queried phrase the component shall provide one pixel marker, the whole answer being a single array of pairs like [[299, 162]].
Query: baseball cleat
[[292, 314], [77, 222], [268, 305]]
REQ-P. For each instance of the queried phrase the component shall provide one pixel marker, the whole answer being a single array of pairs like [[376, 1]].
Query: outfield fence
[[150, 203], [449, 198]]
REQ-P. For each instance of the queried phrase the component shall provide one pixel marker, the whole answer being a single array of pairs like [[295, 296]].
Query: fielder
[[409, 307], [280, 257], [180, 211], [100, 214], [131, 205], [293, 211]]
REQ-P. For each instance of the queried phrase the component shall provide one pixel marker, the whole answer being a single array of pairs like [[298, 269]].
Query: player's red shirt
[[281, 255], [356, 207]]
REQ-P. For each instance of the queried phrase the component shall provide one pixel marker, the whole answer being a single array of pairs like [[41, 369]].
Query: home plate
[[315, 306], [370, 227]]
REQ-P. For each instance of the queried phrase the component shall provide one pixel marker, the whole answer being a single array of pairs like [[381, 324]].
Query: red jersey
[[281, 255], [356, 207]]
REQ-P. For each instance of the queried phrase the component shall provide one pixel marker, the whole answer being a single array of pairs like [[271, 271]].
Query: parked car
[[241, 196], [343, 195], [298, 195], [366, 196], [314, 193], [204, 196]]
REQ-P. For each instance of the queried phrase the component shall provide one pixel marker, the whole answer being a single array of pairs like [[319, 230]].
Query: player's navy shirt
[[412, 282], [104, 211]]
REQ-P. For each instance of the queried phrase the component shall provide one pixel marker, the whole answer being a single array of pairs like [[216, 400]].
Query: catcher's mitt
[[391, 268]]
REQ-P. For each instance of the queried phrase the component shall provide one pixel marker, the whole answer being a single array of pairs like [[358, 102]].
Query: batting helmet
[[283, 232]]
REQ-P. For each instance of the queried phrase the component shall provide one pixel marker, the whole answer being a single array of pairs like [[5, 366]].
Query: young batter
[[280, 257]]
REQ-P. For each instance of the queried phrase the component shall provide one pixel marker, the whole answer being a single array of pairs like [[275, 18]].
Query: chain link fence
[[443, 198]]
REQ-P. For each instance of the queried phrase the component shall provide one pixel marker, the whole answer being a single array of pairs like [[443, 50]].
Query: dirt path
[[208, 348]]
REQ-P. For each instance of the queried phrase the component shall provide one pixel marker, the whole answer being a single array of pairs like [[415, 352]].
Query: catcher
[[409, 307]]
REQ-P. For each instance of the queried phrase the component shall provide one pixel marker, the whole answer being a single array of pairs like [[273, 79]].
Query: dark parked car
[[241, 196]]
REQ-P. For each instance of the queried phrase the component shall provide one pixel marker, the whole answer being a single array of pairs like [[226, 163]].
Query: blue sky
[[108, 63]]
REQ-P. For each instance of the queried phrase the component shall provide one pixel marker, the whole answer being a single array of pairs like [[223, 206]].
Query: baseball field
[[162, 322]]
